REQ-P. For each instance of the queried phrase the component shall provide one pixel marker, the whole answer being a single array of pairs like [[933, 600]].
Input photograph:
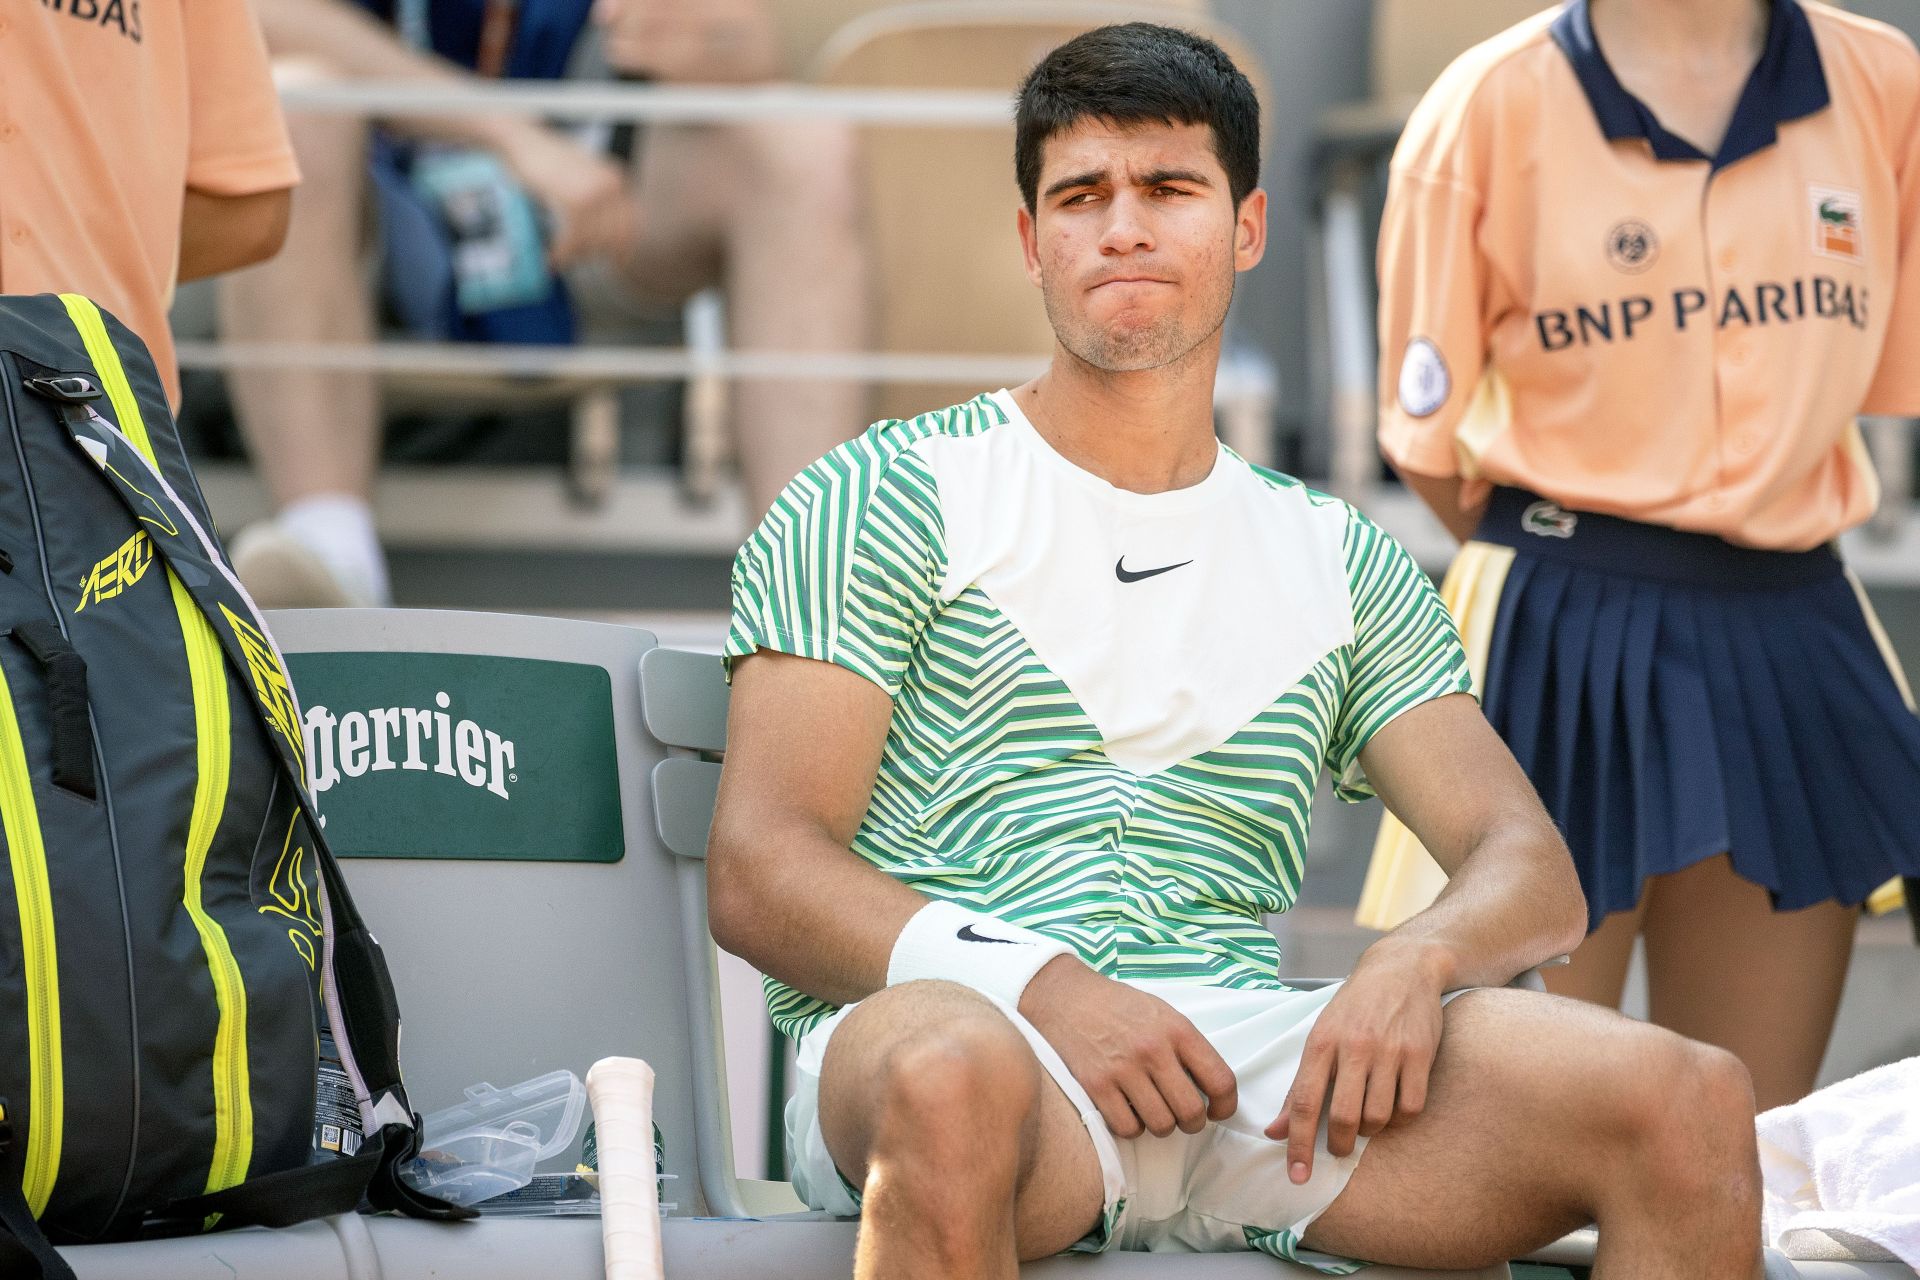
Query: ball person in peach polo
[[1643, 262], [141, 143]]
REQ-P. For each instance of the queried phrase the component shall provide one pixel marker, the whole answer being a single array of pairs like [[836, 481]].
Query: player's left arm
[[1512, 901]]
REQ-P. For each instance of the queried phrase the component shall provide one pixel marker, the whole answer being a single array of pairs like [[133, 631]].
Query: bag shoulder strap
[[314, 1191], [24, 1250]]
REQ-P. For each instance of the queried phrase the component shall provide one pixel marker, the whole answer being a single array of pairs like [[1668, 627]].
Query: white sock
[[338, 528]]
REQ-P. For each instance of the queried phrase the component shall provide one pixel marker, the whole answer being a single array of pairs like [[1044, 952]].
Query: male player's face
[[1134, 241]]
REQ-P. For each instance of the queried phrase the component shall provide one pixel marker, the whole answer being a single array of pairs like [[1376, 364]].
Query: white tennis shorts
[[1223, 1189]]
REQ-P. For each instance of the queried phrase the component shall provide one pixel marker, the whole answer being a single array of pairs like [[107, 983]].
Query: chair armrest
[[1575, 1249], [1528, 981]]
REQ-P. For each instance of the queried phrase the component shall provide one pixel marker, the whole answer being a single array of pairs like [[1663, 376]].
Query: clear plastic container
[[490, 1143]]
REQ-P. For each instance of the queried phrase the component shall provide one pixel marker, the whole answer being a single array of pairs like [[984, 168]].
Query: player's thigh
[[1529, 1098], [1061, 1192], [1724, 967]]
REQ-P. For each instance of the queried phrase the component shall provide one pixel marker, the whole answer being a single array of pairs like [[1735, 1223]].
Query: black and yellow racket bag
[[173, 929]]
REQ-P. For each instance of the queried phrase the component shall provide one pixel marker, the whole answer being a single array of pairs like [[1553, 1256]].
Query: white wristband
[[946, 941]]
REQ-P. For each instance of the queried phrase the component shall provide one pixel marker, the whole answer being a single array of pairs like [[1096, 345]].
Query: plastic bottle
[[590, 1154], [336, 1114]]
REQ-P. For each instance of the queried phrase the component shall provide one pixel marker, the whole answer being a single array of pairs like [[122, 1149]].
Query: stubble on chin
[[1128, 348], [1119, 348], [1134, 350]]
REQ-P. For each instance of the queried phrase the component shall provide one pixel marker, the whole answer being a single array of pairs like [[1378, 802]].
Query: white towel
[[1842, 1167]]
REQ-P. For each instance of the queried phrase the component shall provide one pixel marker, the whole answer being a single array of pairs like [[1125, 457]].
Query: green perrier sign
[[433, 755]]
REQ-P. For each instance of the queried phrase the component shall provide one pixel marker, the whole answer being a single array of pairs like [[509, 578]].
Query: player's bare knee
[[1721, 1096], [1722, 1082], [955, 1110], [967, 1077], [1702, 1088], [1692, 1125], [1632, 1092], [912, 1067], [953, 1069]]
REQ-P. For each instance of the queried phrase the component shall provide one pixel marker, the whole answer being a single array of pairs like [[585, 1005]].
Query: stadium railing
[[927, 78]]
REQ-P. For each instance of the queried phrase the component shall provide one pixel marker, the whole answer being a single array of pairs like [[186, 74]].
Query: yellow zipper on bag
[[213, 734], [27, 852]]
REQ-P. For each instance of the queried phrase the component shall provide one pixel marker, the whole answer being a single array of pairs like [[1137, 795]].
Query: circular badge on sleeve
[[1424, 382]]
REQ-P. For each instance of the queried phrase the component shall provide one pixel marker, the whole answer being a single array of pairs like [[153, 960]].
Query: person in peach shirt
[[141, 144], [1643, 261]]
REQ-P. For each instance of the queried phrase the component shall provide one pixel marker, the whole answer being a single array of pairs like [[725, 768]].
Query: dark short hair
[[1139, 73]]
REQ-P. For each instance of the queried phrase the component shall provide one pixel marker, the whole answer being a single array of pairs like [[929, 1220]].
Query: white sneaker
[[281, 572]]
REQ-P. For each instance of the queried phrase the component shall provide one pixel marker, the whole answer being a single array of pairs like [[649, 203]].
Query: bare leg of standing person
[[1597, 972], [1725, 968], [313, 434], [772, 212], [799, 278]]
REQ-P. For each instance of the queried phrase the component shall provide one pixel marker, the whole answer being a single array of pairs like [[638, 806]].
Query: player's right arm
[[804, 740], [783, 891], [830, 597]]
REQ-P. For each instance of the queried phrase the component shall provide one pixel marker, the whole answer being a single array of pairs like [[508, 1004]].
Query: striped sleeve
[[1405, 649], [846, 567]]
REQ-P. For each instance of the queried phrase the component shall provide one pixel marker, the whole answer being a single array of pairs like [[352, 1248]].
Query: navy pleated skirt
[[1674, 697]]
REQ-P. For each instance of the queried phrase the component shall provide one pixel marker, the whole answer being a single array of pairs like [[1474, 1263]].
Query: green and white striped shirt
[[1110, 708]]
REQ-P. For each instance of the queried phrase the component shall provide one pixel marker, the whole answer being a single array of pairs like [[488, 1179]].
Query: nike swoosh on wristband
[[967, 934], [1125, 574]]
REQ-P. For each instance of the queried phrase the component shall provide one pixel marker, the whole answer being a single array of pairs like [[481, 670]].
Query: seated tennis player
[[1030, 697]]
